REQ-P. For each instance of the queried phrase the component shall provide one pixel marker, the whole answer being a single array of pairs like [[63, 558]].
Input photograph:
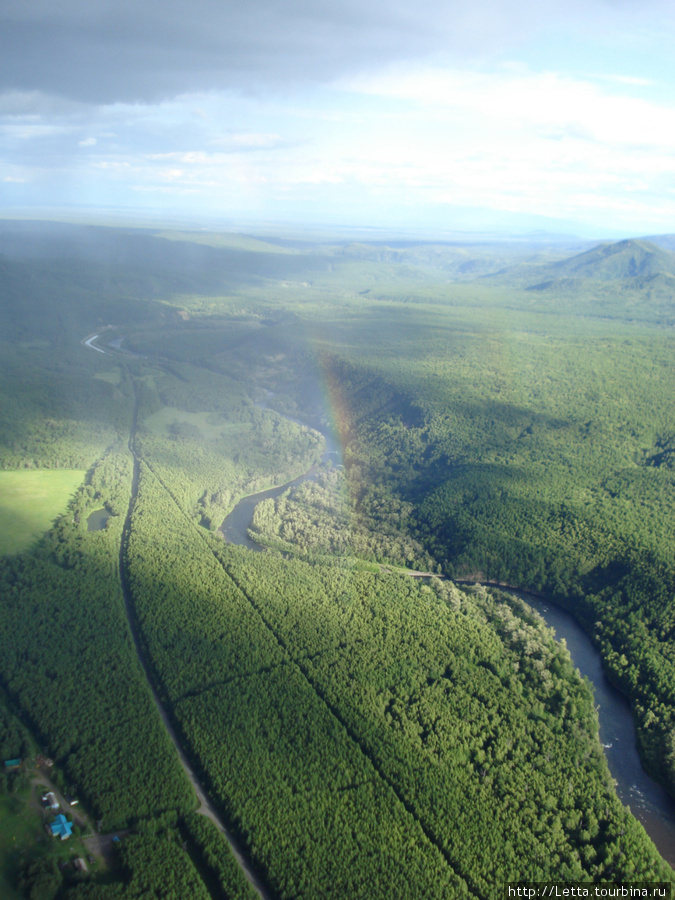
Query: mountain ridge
[[633, 262], [630, 258]]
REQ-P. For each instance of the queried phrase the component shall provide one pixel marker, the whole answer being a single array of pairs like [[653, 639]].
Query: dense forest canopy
[[504, 414]]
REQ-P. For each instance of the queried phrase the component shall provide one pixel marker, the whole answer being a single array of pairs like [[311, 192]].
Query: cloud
[[34, 103], [30, 129], [367, 107], [105, 51], [626, 79], [547, 104], [252, 141]]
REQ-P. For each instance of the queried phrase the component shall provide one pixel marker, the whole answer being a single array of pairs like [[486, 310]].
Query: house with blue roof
[[61, 827]]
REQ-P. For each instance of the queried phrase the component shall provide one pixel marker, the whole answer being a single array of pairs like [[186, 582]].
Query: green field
[[171, 421], [30, 501], [20, 832], [112, 376]]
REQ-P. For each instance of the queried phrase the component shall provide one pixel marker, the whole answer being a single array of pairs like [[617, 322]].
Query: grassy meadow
[[30, 500], [21, 835], [206, 425]]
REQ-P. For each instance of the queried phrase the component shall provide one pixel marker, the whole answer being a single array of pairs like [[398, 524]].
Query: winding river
[[647, 800], [236, 524]]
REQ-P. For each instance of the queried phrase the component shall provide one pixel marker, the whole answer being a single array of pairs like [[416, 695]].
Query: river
[[647, 800], [235, 526]]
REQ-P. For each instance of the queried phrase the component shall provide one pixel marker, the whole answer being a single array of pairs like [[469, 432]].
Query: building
[[50, 801], [61, 827]]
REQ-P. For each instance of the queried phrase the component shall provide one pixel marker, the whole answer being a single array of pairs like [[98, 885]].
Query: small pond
[[97, 520]]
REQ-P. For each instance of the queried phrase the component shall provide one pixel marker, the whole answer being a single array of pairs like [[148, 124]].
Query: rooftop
[[61, 827]]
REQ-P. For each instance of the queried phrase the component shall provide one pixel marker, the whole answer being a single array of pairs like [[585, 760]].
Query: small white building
[[50, 800]]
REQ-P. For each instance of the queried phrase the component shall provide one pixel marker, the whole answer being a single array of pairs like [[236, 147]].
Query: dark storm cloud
[[103, 51]]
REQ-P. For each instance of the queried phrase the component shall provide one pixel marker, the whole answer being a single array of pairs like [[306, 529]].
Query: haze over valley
[[336, 371]]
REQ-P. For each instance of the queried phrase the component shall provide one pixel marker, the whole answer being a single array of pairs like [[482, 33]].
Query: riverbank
[[647, 800]]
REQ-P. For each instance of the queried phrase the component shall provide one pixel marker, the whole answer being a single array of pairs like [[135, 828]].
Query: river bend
[[648, 801]]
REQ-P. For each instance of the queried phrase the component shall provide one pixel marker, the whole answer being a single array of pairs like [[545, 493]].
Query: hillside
[[630, 280], [629, 262], [617, 261]]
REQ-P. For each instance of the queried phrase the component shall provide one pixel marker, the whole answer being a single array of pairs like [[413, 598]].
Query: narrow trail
[[205, 808]]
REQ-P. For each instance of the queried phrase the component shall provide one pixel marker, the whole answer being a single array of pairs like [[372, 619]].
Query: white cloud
[[508, 137], [250, 141], [529, 101], [514, 139], [114, 165], [30, 129], [626, 79]]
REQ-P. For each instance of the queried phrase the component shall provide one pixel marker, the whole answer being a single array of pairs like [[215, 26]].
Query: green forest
[[365, 716]]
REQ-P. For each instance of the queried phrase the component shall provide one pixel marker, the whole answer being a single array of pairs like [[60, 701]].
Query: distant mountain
[[459, 261], [632, 280], [665, 241], [617, 262], [634, 264]]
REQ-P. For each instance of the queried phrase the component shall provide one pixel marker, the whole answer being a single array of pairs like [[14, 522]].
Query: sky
[[485, 116]]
